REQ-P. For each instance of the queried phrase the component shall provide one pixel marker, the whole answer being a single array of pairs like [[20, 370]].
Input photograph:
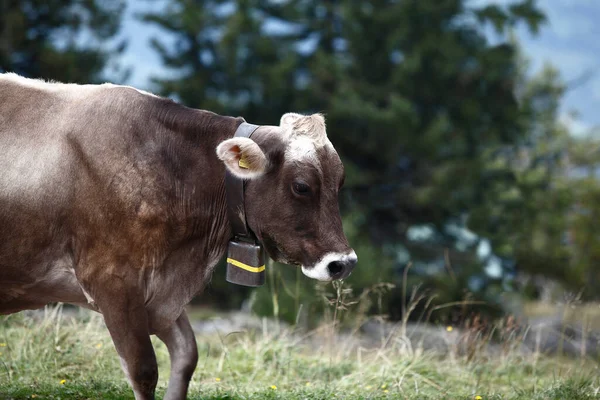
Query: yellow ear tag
[[243, 163]]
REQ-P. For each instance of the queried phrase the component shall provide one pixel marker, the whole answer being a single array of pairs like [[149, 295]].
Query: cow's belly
[[54, 282]]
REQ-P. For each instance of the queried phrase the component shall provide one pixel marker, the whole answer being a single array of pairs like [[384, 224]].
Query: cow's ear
[[242, 157]]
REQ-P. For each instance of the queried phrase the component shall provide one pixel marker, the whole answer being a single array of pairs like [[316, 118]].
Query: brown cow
[[114, 199]]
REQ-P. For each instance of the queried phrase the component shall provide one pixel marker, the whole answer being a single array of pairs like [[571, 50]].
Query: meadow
[[55, 354]]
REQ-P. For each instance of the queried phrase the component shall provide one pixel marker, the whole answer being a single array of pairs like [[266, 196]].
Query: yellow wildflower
[[62, 382], [273, 387], [449, 328], [386, 391], [307, 383], [478, 398], [218, 379], [383, 386], [2, 344], [99, 345]]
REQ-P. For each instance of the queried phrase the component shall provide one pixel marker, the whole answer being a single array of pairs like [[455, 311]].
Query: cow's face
[[294, 176]]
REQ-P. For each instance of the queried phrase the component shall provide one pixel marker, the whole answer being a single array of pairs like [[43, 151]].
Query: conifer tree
[[59, 40]]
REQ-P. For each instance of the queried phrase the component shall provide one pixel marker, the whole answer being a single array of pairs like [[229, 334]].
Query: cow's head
[[294, 175]]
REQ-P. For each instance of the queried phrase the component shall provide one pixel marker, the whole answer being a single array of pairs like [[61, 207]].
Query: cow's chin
[[276, 253]]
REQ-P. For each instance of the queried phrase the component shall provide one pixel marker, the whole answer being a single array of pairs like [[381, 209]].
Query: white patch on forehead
[[304, 149], [301, 149]]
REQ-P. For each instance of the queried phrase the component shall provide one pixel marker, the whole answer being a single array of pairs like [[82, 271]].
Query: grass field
[[55, 357]]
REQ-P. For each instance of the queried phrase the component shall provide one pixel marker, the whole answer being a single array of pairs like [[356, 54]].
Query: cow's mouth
[[274, 251], [332, 266]]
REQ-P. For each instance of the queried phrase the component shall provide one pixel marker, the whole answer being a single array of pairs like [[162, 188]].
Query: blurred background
[[468, 129]]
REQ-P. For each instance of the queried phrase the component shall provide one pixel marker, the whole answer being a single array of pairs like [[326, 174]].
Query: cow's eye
[[301, 188]]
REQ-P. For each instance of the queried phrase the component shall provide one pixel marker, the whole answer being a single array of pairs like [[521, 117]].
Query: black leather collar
[[234, 190]]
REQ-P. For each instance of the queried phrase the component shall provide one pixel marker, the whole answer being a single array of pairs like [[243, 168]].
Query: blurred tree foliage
[[62, 40], [455, 157], [583, 237]]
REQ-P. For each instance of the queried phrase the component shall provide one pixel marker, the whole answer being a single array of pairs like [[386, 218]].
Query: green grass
[[37, 354]]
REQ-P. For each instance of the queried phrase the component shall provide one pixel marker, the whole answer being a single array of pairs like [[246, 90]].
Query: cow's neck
[[199, 127], [198, 201]]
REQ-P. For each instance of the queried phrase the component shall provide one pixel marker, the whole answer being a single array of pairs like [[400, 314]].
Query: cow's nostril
[[335, 268]]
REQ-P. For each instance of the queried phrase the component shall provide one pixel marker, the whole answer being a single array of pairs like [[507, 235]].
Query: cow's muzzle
[[332, 266]]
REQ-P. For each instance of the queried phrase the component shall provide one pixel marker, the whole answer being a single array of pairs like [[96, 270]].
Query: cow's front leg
[[183, 352], [127, 321]]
